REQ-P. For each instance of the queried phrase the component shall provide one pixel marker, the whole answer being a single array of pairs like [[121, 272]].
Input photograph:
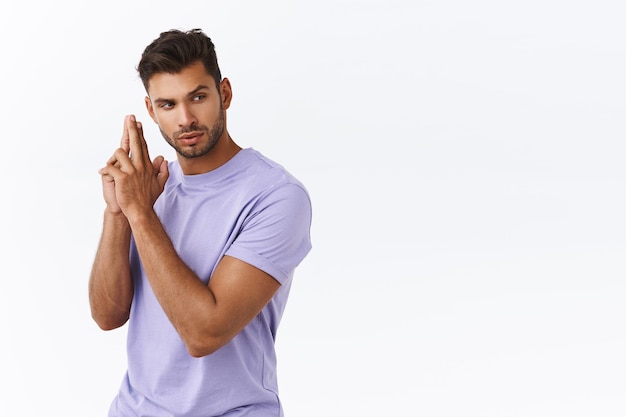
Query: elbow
[[199, 352], [106, 326], [109, 322], [199, 348]]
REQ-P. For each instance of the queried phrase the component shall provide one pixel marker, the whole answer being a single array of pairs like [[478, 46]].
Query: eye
[[166, 105], [199, 97]]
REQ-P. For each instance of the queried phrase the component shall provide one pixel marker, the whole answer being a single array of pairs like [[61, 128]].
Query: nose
[[186, 117]]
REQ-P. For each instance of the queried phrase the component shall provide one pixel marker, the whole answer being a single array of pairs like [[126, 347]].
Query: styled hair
[[174, 50]]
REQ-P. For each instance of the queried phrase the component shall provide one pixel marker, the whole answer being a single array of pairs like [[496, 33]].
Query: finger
[[125, 142], [143, 142], [163, 174], [107, 178], [110, 170], [161, 170], [157, 163], [119, 156], [140, 128], [138, 147]]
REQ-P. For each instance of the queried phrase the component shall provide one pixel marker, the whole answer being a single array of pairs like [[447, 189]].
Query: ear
[[227, 93], [150, 109]]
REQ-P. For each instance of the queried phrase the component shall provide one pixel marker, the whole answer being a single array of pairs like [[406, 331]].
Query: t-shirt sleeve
[[276, 236]]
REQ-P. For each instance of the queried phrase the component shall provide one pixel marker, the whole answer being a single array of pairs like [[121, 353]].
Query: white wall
[[465, 160]]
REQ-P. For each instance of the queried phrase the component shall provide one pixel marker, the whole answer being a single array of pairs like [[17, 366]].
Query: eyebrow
[[191, 93]]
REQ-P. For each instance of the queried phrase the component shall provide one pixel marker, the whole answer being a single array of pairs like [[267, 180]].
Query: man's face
[[187, 106]]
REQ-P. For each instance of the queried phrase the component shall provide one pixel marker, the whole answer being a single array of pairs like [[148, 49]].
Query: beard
[[213, 134]]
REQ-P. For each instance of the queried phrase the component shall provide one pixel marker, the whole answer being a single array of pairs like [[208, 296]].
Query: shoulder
[[268, 177]]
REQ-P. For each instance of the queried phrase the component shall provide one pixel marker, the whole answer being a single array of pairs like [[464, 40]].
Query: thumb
[[156, 164], [163, 174]]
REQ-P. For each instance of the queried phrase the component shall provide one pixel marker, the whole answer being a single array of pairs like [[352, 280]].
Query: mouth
[[190, 138]]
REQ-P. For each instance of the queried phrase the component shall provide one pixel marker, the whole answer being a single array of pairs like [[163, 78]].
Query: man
[[198, 254]]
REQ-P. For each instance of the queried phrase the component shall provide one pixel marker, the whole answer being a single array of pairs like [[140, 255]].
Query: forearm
[[189, 303], [110, 283]]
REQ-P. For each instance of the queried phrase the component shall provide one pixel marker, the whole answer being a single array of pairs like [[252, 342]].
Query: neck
[[221, 153]]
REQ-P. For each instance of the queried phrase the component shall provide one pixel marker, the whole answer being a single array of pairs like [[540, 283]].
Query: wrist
[[142, 218], [115, 217]]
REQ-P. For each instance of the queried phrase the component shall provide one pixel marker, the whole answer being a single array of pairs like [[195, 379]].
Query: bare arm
[[110, 283], [206, 317]]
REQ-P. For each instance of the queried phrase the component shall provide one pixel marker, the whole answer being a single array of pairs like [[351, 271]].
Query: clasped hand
[[131, 182]]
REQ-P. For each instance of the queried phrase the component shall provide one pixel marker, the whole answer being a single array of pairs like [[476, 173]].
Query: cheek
[[164, 121], [210, 112]]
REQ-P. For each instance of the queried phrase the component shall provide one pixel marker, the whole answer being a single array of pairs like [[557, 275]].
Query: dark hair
[[174, 50]]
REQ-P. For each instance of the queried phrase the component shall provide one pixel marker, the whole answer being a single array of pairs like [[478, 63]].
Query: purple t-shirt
[[249, 208]]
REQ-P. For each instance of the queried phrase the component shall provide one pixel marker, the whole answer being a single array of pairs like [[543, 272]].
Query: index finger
[[138, 146], [125, 141]]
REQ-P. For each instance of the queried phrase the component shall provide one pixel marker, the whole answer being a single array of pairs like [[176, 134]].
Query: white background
[[465, 160]]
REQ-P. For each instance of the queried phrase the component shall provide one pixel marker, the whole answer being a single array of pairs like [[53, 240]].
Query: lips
[[190, 138]]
